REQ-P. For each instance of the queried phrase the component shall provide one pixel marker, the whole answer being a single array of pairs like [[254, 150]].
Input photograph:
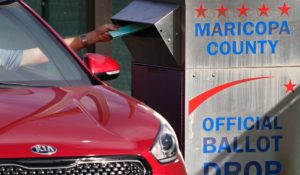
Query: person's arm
[[99, 35], [33, 56], [36, 56]]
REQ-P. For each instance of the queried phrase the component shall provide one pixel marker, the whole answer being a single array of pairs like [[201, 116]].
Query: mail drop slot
[[158, 45]]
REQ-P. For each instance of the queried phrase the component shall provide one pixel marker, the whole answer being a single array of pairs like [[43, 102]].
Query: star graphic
[[290, 86], [264, 10], [201, 11], [222, 10], [243, 10], [284, 9]]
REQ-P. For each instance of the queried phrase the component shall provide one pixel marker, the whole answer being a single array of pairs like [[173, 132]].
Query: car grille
[[90, 166]]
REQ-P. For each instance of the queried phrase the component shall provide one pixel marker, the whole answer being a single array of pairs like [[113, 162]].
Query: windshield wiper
[[8, 84]]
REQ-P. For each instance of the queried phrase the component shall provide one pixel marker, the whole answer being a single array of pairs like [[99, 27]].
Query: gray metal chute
[[160, 44]]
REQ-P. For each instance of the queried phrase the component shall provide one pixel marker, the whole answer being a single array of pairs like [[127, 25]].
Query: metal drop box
[[157, 57], [225, 74]]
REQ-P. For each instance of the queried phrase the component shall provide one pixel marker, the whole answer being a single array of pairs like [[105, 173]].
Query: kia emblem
[[44, 149]]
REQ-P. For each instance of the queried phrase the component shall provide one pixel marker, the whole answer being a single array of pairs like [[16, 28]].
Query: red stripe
[[197, 101]]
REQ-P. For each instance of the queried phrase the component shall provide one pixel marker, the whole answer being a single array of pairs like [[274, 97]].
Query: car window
[[30, 54]]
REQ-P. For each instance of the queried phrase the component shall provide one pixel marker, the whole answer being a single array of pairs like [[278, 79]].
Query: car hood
[[78, 121]]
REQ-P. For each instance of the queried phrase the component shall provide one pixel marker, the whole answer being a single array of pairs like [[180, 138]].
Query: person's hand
[[103, 30]]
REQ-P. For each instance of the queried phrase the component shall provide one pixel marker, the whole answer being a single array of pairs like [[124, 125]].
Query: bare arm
[[36, 56], [99, 35], [33, 56]]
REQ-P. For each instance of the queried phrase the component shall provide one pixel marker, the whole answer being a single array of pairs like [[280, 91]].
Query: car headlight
[[165, 149]]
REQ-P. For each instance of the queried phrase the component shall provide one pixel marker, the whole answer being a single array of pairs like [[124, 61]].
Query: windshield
[[29, 54]]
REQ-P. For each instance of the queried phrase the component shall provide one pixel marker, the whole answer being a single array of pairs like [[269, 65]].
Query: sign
[[242, 72]]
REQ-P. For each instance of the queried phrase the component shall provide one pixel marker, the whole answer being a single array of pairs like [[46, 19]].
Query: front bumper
[[128, 165]]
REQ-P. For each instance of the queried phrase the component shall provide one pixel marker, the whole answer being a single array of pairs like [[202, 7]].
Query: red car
[[57, 117]]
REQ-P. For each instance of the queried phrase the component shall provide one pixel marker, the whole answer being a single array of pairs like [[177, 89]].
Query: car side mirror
[[104, 67]]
